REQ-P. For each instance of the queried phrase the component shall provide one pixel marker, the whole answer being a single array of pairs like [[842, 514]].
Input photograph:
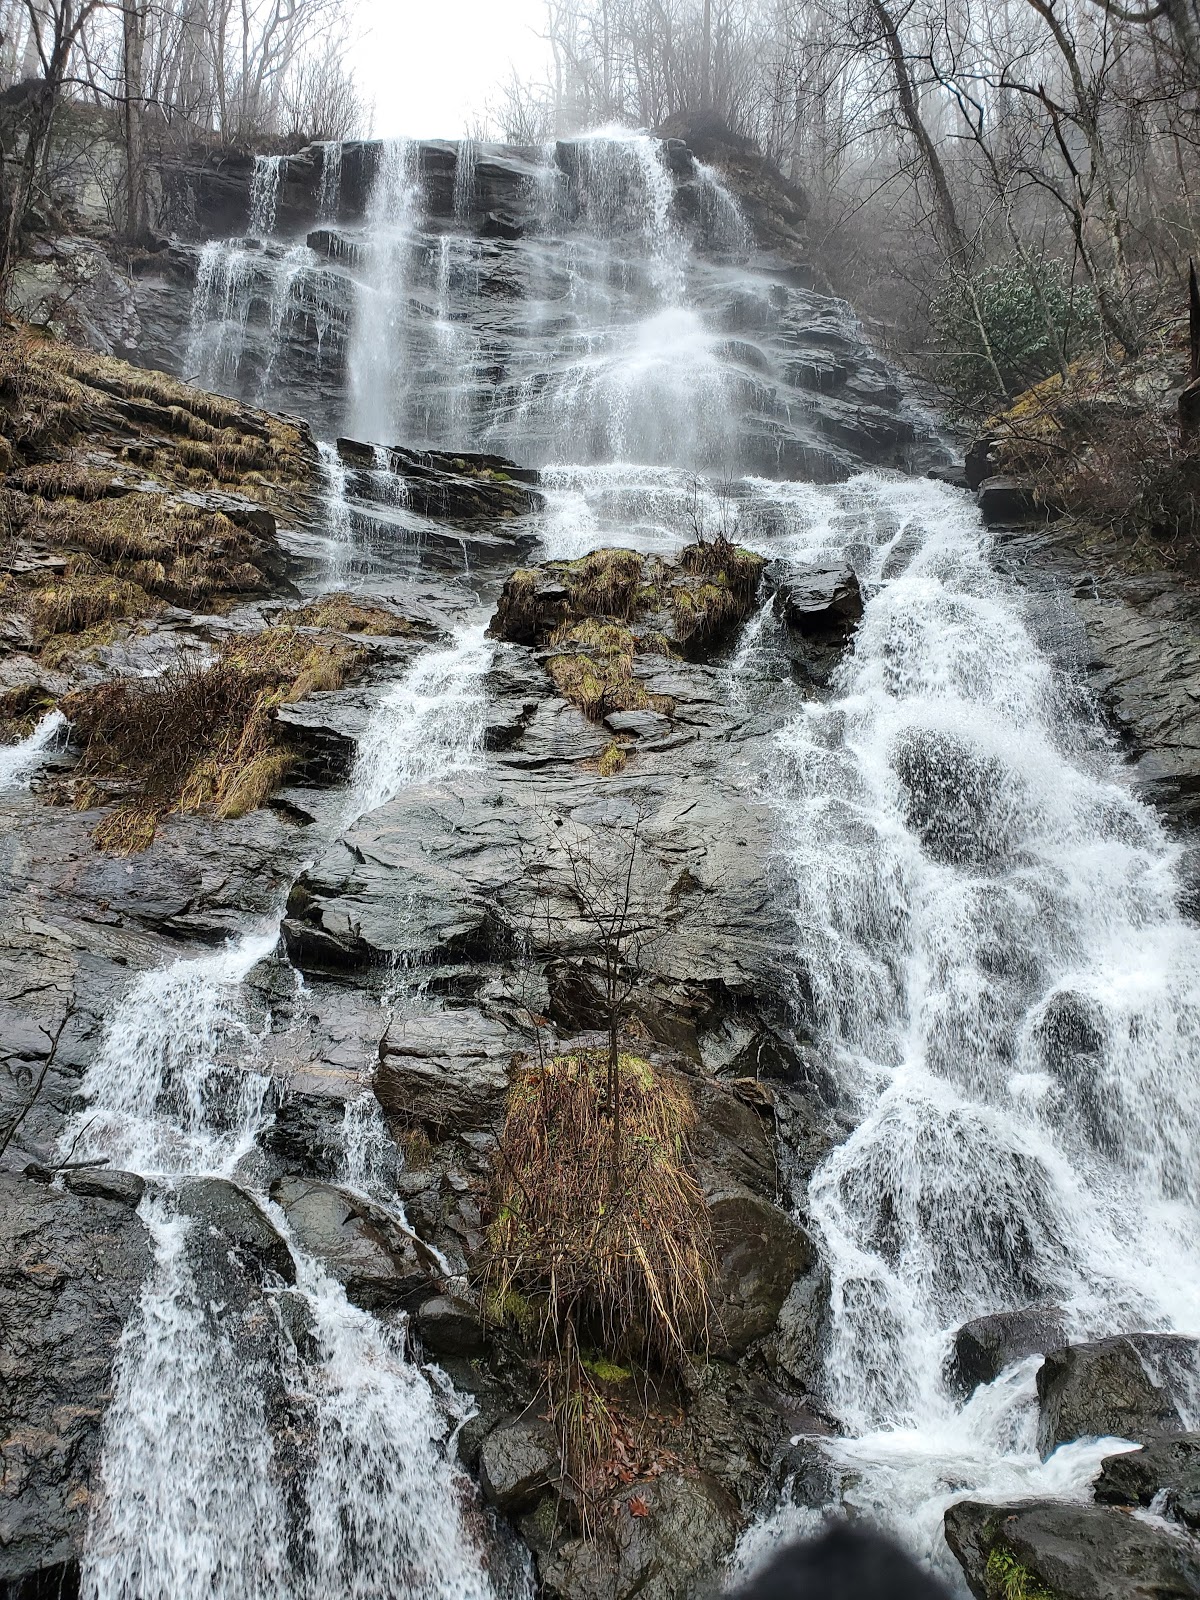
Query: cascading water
[[986, 920], [19, 762], [379, 357], [193, 1490]]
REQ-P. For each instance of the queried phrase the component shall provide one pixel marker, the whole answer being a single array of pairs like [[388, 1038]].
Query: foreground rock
[[71, 1269], [1169, 1468], [1073, 1552], [381, 1264], [986, 1345], [1104, 1388]]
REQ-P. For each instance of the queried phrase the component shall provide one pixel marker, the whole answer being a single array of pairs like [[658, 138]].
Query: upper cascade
[[593, 300]]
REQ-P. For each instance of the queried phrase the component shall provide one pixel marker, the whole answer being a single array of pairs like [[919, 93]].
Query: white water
[[195, 1494], [378, 355], [986, 919], [988, 922], [429, 726], [19, 762]]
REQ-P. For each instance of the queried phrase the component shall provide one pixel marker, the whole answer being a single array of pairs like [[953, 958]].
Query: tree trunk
[[137, 211]]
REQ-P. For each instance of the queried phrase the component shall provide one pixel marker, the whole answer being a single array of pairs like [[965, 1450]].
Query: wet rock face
[[1107, 1387], [71, 1270], [1074, 1552], [1169, 1468], [381, 1264], [449, 486], [809, 397], [986, 1345], [662, 1538]]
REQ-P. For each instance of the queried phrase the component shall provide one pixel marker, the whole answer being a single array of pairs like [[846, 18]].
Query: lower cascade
[[636, 716]]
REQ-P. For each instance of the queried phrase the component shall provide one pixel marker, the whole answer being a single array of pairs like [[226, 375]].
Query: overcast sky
[[430, 65]]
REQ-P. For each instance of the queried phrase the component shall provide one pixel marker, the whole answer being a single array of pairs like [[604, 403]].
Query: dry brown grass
[[595, 1245], [172, 548], [201, 736], [1106, 447], [80, 601], [342, 613]]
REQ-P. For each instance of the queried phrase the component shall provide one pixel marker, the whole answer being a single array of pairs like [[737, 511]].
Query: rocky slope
[[432, 942]]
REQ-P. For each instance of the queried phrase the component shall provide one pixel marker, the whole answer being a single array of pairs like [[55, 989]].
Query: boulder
[[449, 1326], [71, 1270], [1072, 1552], [1168, 1467], [1010, 503], [456, 487], [235, 1223], [103, 1183], [1104, 1388], [984, 1346], [447, 1070], [516, 1462], [380, 1264], [661, 1540], [760, 1254], [821, 604]]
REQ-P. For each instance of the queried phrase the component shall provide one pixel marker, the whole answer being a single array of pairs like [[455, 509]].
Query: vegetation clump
[[597, 614], [199, 737], [342, 613], [137, 487], [604, 1243], [1108, 448], [1005, 1578]]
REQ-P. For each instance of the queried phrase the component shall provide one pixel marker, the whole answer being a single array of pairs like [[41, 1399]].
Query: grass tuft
[[608, 1247], [200, 736]]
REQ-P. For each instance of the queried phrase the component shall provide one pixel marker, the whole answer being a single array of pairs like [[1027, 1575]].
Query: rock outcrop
[[71, 1270], [1106, 1387], [1074, 1552]]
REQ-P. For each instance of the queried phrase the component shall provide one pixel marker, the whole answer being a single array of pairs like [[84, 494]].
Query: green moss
[[605, 1370], [612, 759], [1005, 1578]]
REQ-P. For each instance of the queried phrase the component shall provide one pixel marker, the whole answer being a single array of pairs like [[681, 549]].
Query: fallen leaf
[[638, 1506]]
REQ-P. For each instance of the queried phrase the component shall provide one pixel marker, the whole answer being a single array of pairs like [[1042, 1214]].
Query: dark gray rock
[[380, 1264], [235, 1223], [1144, 662], [661, 1541], [1092, 1390], [984, 1346], [802, 1330], [760, 1254], [450, 1326], [821, 604], [71, 1270], [103, 1183], [1073, 1552], [516, 1462], [1166, 1467], [447, 1070], [1009, 502], [451, 486]]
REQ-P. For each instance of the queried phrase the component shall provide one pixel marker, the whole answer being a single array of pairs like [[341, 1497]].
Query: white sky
[[430, 65]]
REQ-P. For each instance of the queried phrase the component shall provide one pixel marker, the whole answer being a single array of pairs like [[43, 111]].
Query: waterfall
[[264, 194], [465, 162], [988, 922], [195, 1491], [987, 929], [378, 347], [331, 180], [19, 762], [428, 726]]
